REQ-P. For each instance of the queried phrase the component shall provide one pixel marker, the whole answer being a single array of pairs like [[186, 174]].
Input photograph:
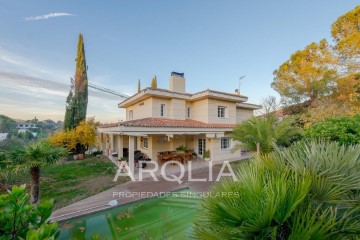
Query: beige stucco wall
[[155, 145], [156, 103], [177, 109], [204, 110], [141, 109], [230, 112], [199, 110], [216, 153], [177, 84], [189, 142], [222, 154], [243, 114], [158, 146]]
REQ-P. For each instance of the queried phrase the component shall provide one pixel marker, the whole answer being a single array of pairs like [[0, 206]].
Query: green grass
[[72, 181]]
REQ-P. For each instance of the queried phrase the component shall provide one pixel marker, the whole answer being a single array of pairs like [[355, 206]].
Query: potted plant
[[207, 155], [181, 149]]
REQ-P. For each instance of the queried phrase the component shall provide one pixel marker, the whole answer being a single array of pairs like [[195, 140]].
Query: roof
[[248, 106], [166, 122], [145, 93], [25, 123]]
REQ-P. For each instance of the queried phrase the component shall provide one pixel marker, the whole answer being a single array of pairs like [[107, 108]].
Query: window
[[145, 143], [162, 110], [221, 111], [225, 143], [188, 112], [131, 115]]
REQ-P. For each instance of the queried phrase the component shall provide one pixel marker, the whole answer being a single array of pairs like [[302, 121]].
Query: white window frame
[[145, 143], [221, 113], [162, 110], [223, 143]]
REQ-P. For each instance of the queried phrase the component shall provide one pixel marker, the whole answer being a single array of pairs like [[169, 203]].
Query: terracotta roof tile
[[166, 122]]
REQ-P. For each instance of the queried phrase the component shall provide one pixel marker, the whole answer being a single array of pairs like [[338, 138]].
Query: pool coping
[[105, 206]]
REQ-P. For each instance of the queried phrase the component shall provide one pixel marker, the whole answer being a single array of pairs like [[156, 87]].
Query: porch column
[[210, 144], [212, 148], [131, 153], [102, 142], [107, 143], [112, 145], [120, 146]]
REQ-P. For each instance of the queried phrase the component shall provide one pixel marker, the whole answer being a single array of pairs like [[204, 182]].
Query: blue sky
[[212, 42]]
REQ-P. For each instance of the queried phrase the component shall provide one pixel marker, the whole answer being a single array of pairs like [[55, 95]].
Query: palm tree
[[266, 132], [308, 191], [31, 157]]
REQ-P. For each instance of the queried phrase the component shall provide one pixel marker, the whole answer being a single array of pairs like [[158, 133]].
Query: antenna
[[240, 78]]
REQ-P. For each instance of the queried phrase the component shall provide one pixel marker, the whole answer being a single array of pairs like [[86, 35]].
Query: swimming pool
[[167, 217]]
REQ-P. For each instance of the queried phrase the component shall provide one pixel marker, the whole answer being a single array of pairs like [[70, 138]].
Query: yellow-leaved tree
[[346, 34], [77, 140], [306, 76], [325, 77]]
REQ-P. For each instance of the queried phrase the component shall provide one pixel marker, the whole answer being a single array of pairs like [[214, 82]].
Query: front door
[[201, 146]]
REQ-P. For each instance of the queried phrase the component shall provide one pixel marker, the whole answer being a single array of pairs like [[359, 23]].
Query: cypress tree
[[154, 83], [76, 103], [139, 87]]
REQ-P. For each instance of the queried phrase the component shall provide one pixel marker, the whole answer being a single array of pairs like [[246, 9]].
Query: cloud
[[35, 84], [13, 62], [47, 16], [23, 96], [29, 89]]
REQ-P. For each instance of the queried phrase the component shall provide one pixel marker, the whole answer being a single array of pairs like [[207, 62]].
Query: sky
[[213, 42]]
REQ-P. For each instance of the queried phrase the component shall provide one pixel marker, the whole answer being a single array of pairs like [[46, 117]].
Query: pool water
[[167, 217]]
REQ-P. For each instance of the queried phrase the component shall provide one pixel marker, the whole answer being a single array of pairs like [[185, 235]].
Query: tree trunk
[[35, 184]]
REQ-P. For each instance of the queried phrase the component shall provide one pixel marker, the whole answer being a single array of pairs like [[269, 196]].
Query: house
[[24, 127], [160, 120], [3, 136]]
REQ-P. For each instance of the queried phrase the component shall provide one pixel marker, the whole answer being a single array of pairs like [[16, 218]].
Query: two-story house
[[160, 120]]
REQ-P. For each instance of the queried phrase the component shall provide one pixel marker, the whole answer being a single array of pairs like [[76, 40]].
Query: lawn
[[72, 181]]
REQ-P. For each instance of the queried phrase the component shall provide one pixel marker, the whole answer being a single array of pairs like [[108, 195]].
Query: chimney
[[237, 92], [177, 82]]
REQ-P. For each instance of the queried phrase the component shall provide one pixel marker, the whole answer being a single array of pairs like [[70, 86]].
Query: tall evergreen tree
[[154, 83], [77, 100], [139, 87]]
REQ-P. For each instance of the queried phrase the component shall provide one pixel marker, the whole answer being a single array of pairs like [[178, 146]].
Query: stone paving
[[137, 190]]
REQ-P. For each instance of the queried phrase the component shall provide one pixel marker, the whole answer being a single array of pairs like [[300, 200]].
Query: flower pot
[[81, 156], [76, 157]]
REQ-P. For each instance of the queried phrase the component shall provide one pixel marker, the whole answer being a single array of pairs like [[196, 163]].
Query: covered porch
[[127, 145], [152, 137]]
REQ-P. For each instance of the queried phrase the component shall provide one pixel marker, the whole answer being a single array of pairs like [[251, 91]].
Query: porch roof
[[167, 123]]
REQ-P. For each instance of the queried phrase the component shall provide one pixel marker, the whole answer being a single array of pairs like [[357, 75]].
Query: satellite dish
[[113, 203]]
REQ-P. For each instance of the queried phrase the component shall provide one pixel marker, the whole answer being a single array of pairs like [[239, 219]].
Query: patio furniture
[[174, 156], [161, 160]]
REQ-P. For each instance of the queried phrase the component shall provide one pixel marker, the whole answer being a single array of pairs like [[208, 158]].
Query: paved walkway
[[134, 191]]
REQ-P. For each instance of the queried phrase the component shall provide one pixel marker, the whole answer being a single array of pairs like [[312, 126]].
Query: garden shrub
[[308, 191], [345, 130], [21, 220]]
